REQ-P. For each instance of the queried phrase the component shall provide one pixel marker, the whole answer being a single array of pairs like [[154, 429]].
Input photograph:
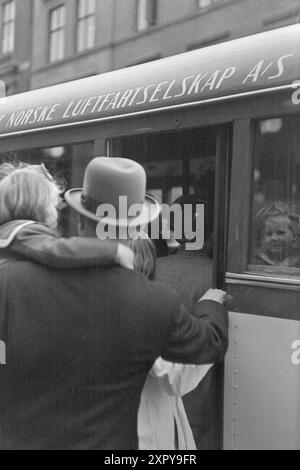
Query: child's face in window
[[278, 236]]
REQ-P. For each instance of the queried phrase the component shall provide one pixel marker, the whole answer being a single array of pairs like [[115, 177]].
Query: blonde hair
[[28, 192], [144, 256]]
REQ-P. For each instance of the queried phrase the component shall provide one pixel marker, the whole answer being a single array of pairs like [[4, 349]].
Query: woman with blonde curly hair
[[29, 197]]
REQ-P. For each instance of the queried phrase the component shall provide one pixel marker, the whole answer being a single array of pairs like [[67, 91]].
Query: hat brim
[[150, 210]]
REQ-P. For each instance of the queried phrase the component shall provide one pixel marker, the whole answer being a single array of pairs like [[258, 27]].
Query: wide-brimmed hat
[[105, 181]]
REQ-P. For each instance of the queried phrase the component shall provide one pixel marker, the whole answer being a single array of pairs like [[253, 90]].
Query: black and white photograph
[[150, 227]]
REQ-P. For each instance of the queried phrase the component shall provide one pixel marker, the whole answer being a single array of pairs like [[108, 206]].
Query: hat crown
[[106, 179]]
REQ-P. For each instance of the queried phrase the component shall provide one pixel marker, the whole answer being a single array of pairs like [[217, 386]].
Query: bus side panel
[[262, 384]]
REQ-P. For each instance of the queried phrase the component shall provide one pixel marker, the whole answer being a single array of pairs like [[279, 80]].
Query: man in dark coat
[[80, 343]]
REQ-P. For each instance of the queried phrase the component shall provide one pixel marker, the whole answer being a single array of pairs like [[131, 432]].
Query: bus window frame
[[244, 142], [238, 239]]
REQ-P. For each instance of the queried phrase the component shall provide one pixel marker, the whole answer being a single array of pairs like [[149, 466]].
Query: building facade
[[77, 38], [44, 42], [16, 19]]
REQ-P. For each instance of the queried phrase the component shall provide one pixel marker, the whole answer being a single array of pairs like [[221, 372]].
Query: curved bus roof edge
[[256, 64]]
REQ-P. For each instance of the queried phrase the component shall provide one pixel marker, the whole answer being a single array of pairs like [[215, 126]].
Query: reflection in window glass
[[275, 236]]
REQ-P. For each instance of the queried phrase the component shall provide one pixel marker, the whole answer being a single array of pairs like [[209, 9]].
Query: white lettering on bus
[[113, 102], [184, 86], [52, 110], [89, 103], [40, 114], [46, 113], [280, 66], [229, 72], [146, 89], [166, 95], [137, 91], [18, 118], [196, 83], [296, 353], [262, 67], [78, 107], [191, 85], [27, 116], [105, 101], [66, 113], [124, 100], [211, 82], [156, 91], [254, 73], [35, 115], [99, 99]]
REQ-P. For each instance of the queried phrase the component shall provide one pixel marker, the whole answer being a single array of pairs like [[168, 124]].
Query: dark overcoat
[[79, 346]]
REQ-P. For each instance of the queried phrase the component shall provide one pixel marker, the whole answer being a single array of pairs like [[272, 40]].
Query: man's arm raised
[[198, 339]]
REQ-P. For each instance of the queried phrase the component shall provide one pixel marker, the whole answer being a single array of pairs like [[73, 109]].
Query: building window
[[146, 14], [86, 24], [57, 34], [206, 3], [8, 25]]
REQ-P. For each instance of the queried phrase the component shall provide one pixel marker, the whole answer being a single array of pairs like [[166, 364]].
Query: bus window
[[275, 233], [180, 163]]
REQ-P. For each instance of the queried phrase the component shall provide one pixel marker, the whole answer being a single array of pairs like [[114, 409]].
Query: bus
[[221, 123]]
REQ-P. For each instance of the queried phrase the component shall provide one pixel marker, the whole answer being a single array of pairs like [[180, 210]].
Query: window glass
[[275, 233], [86, 24], [206, 3], [57, 34], [8, 27], [146, 14]]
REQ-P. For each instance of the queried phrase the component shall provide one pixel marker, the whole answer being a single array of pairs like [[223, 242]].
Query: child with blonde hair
[[29, 197], [278, 236]]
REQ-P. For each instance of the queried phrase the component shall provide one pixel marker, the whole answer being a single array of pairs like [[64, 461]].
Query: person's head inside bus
[[279, 235], [193, 201]]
